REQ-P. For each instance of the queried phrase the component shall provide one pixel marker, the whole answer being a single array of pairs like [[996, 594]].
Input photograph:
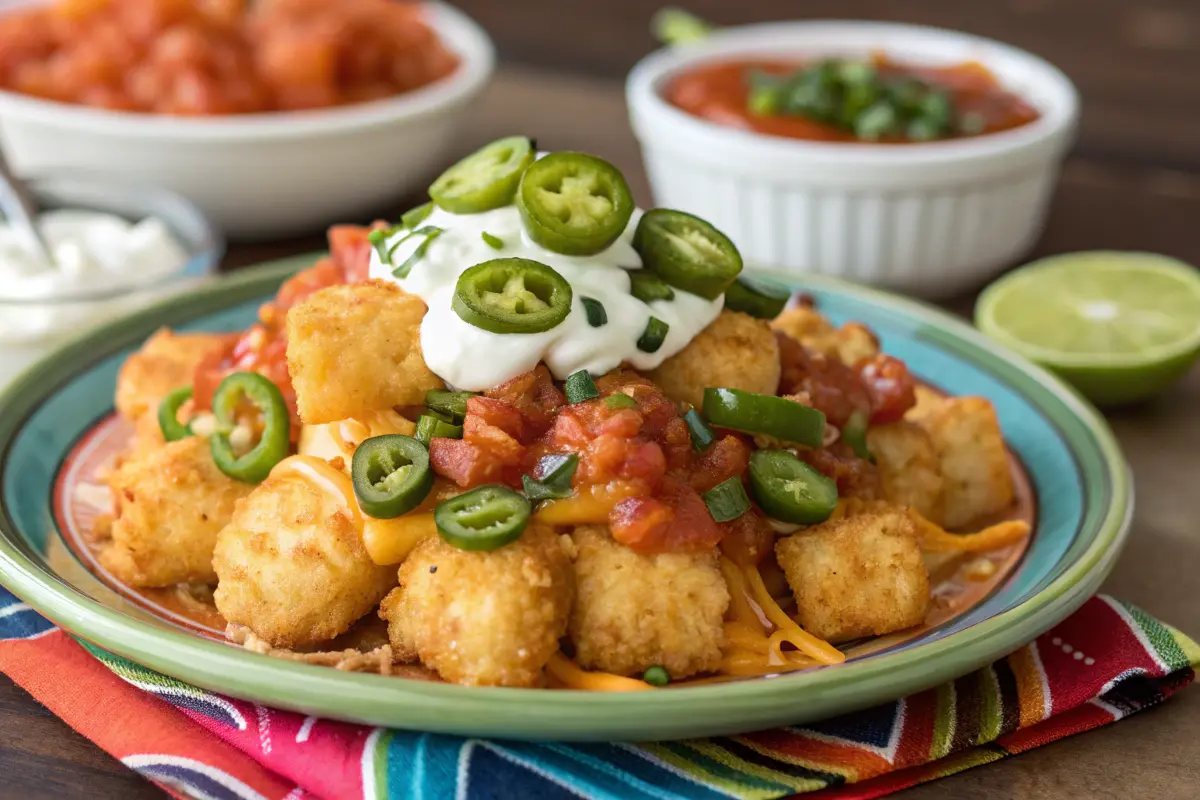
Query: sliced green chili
[[687, 252], [573, 203], [487, 178], [168, 415], [273, 445], [579, 387], [778, 417], [790, 490], [556, 472], [391, 475], [758, 298], [485, 518], [854, 433], [653, 337], [512, 295]]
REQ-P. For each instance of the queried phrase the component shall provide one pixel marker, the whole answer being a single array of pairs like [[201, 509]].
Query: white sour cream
[[91, 250], [473, 359]]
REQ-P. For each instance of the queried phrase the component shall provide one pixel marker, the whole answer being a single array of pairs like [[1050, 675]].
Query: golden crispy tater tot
[[165, 362], [355, 349], [171, 502], [633, 612], [292, 566], [849, 344], [482, 618], [909, 467], [856, 576], [735, 352]]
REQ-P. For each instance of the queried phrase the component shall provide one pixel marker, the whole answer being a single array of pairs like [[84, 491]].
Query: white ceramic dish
[[928, 219], [264, 175]]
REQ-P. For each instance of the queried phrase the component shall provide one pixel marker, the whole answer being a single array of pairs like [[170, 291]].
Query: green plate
[[51, 414]]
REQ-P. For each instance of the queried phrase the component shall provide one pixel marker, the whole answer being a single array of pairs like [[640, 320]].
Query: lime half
[[1120, 327]]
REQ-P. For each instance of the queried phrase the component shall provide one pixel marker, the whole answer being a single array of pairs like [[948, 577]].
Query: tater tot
[[355, 349], [856, 576], [292, 566], [735, 352], [633, 612], [165, 362], [170, 504], [973, 459], [909, 467], [849, 344], [482, 618]]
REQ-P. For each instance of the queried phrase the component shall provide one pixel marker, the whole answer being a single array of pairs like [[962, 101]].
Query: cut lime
[[1120, 327]]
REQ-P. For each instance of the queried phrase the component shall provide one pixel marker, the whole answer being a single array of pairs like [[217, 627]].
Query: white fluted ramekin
[[928, 219]]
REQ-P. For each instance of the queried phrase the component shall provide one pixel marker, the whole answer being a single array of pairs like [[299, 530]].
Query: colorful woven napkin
[[1104, 663]]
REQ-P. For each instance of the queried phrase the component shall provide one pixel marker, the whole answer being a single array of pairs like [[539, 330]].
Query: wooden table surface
[[1132, 182]]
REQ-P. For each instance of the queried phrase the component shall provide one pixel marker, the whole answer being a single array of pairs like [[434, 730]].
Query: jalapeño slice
[[687, 252], [168, 415], [778, 417], [789, 490], [274, 442], [573, 203], [486, 179], [485, 518], [512, 295], [758, 298], [391, 475]]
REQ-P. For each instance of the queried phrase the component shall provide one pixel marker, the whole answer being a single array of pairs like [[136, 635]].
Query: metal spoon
[[21, 208]]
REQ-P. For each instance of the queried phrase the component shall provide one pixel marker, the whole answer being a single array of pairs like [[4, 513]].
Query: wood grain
[[1134, 182]]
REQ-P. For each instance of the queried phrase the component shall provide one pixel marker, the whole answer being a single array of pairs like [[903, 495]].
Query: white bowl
[[271, 174], [929, 219]]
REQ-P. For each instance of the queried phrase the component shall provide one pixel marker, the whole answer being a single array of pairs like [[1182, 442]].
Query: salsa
[[818, 101]]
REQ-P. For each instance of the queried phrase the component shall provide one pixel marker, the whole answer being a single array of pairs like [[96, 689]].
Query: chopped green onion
[[597, 317], [648, 287], [877, 121], [433, 427], [765, 101], [378, 239], [702, 435], [854, 433], [415, 216], [971, 123], [556, 470], [451, 405], [656, 676], [923, 129], [430, 232], [620, 400], [580, 387], [494, 242], [654, 335], [727, 500]]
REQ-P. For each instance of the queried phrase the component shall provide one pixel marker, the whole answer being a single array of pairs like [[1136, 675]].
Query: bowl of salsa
[[915, 158]]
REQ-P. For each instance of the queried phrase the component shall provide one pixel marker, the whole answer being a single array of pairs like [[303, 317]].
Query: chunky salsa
[[850, 100]]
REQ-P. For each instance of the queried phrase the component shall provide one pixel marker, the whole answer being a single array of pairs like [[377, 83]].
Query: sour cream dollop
[[473, 359], [91, 250]]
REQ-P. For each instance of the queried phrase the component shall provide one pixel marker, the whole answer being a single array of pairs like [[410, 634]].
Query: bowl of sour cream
[[112, 249]]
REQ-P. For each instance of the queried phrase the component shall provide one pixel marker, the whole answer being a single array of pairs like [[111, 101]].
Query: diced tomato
[[319, 276], [656, 408], [469, 464], [677, 445], [826, 383], [730, 456], [856, 477], [891, 386], [351, 251], [676, 521], [496, 413], [535, 396], [747, 540]]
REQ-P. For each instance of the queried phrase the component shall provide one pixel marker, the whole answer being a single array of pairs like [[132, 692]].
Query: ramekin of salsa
[[775, 132], [872, 99]]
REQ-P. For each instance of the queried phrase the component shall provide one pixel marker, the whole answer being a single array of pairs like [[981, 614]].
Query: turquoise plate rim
[[563, 715]]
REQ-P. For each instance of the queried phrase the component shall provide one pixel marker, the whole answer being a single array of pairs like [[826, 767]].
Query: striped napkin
[[1104, 663]]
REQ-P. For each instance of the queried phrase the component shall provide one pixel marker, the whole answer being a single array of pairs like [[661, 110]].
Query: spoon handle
[[21, 209]]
